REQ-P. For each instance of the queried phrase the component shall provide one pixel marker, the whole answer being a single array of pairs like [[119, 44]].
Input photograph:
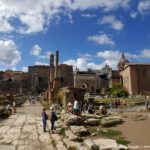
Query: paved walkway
[[23, 130]]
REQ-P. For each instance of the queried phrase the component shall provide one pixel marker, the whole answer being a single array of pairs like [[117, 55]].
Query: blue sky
[[87, 33]]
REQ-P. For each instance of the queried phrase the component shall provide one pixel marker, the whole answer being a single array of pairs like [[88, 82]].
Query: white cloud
[[145, 53], [36, 50], [82, 64], [35, 15], [25, 69], [109, 54], [144, 6], [9, 53], [88, 15], [86, 55], [32, 24], [5, 26], [101, 39], [133, 15], [109, 57], [107, 5], [41, 63], [112, 21]]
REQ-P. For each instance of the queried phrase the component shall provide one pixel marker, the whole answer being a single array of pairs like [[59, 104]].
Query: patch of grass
[[114, 134], [62, 131], [71, 148], [92, 130], [45, 104], [53, 143], [122, 141], [110, 133]]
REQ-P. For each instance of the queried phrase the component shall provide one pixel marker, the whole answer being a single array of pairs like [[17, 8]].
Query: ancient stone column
[[56, 67], [51, 67]]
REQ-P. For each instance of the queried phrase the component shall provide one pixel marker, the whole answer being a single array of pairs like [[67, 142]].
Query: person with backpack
[[44, 119], [53, 118]]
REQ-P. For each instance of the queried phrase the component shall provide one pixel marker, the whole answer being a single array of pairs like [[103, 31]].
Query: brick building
[[136, 78], [39, 77]]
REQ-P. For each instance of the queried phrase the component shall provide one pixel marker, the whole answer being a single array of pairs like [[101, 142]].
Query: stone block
[[90, 144]]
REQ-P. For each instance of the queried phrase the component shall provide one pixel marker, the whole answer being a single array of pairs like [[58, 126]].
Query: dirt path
[[137, 132], [30, 109]]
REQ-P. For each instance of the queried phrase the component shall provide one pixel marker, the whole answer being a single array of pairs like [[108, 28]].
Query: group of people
[[117, 103], [9, 108], [52, 117], [79, 106]]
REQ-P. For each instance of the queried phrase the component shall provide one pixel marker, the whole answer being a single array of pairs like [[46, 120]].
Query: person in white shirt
[[76, 107], [9, 109], [14, 106]]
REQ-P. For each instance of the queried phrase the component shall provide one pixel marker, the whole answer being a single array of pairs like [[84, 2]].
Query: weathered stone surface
[[60, 146], [89, 116], [12, 135], [72, 136], [92, 122], [15, 142], [139, 117], [33, 135], [9, 122], [56, 137], [29, 128], [24, 135], [122, 147], [109, 144], [80, 146], [73, 120], [106, 143], [111, 121], [69, 144], [45, 138], [7, 147], [90, 144], [25, 132], [79, 130], [4, 129]]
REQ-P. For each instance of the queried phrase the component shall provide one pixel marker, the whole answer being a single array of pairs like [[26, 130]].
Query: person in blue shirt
[[44, 119]]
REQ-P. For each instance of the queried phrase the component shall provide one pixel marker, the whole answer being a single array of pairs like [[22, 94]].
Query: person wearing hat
[[44, 119]]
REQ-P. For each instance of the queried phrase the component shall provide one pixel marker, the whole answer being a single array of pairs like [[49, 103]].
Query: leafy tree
[[119, 91]]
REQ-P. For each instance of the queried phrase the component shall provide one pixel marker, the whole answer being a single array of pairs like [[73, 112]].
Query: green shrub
[[119, 91]]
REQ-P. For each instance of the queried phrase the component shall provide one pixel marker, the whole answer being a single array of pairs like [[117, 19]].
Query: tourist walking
[[76, 107], [53, 119], [14, 106], [111, 105], [44, 119], [146, 103], [9, 109]]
